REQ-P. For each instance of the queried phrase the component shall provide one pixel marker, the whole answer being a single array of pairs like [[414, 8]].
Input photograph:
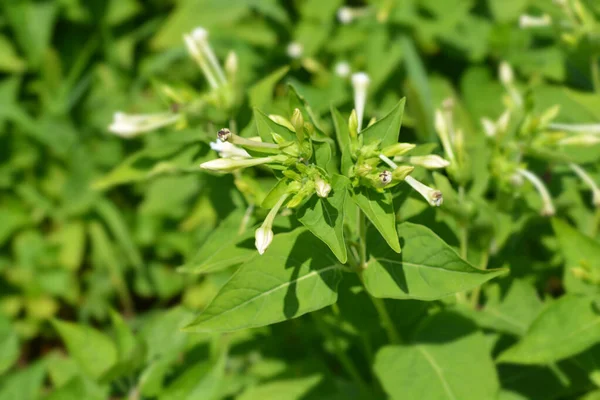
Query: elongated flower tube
[[547, 207], [229, 150], [430, 161], [348, 14], [432, 196], [442, 129], [130, 125], [578, 128], [201, 51], [531, 21], [229, 165], [360, 83], [585, 177], [225, 135], [264, 234], [342, 69]]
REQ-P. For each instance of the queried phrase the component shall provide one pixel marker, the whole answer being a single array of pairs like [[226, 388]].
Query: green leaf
[[387, 128], [448, 359], [225, 247], [564, 328], [324, 156], [379, 208], [26, 384], [93, 350], [343, 138], [266, 126], [325, 217], [427, 268], [580, 251], [9, 345], [261, 93], [284, 389], [294, 277]]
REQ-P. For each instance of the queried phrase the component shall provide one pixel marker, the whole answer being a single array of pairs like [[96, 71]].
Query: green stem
[[595, 223], [477, 291], [595, 72], [461, 297], [343, 358], [386, 321]]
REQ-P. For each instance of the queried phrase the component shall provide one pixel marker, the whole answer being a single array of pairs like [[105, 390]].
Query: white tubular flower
[[295, 50], [503, 121], [231, 64], [587, 179], [442, 129], [345, 15], [548, 209], [580, 140], [489, 127], [360, 83], [321, 187], [264, 235], [433, 197], [531, 21], [430, 161], [342, 69], [229, 150], [228, 164], [130, 125], [577, 128], [199, 48], [507, 76]]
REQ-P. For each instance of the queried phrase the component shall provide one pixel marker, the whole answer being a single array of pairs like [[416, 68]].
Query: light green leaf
[[580, 251], [266, 126], [224, 247], [284, 389], [94, 352], [427, 268], [26, 384], [379, 208], [343, 138], [9, 345], [447, 360], [564, 328], [325, 217], [261, 93], [295, 276], [387, 128]]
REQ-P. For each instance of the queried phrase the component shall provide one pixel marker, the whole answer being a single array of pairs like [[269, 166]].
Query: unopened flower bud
[[342, 69], [434, 197], [345, 15], [231, 65], [530, 21], [360, 83], [229, 164], [398, 149], [507, 76], [295, 50], [298, 123], [263, 238], [430, 161], [228, 150], [278, 119], [224, 135], [353, 124], [400, 173], [131, 125], [322, 188], [489, 127]]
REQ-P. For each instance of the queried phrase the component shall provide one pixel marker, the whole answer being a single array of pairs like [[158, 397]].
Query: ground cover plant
[[218, 199]]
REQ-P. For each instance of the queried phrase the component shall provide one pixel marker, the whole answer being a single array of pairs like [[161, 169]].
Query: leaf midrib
[[272, 290]]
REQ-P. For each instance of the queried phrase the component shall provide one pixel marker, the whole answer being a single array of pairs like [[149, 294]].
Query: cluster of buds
[[377, 167], [220, 80], [301, 180], [572, 19], [535, 131]]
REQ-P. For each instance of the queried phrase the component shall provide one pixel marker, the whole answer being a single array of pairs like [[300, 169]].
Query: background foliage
[[98, 234]]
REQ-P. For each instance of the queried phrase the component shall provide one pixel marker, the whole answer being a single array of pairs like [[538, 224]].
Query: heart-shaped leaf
[[427, 268], [295, 276]]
